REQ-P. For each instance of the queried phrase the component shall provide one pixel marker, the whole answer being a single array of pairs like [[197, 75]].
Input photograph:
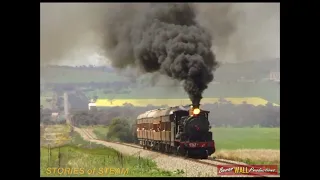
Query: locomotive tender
[[181, 130]]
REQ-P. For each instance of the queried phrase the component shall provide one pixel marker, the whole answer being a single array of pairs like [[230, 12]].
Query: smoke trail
[[68, 29], [242, 31], [164, 38]]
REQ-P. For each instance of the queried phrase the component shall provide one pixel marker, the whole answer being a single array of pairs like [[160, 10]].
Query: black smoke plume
[[164, 38]]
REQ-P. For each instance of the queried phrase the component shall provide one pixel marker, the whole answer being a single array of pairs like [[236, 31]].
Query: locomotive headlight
[[196, 111]]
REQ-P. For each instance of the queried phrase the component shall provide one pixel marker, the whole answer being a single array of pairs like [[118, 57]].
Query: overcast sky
[[68, 31]]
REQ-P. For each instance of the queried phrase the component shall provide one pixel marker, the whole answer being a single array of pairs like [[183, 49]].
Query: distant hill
[[247, 79], [248, 70], [226, 72], [266, 90], [65, 74]]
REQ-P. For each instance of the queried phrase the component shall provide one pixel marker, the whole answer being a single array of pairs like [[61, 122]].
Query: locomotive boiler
[[183, 130]]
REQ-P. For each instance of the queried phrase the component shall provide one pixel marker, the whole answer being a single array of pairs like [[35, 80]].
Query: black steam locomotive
[[176, 129]]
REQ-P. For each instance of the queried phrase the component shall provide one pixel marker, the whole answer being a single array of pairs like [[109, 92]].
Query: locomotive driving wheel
[[180, 151], [186, 154], [205, 155], [177, 150]]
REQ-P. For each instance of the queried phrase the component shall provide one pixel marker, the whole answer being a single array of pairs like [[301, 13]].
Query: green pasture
[[246, 138]]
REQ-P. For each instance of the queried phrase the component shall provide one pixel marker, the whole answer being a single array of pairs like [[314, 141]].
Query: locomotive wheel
[[176, 151], [181, 152], [166, 148], [171, 149], [186, 155], [205, 155]]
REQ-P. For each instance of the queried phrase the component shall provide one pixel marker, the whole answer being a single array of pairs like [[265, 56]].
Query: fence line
[[62, 157]]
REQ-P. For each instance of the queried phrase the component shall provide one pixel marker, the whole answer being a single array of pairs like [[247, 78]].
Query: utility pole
[[54, 101], [66, 107]]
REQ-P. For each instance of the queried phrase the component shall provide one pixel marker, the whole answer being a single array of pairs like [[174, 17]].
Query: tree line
[[121, 120]]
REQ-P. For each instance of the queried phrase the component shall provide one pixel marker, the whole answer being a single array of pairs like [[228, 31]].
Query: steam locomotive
[[180, 130]]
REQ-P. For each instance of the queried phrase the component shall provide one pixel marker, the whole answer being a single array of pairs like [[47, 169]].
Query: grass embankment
[[249, 145], [80, 158]]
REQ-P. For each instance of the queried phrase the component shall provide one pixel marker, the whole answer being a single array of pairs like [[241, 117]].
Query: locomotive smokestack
[[195, 106]]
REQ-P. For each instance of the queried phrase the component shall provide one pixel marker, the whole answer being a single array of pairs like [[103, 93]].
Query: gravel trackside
[[191, 169], [163, 161]]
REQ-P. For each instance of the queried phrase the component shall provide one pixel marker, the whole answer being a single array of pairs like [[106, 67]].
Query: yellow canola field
[[174, 102]]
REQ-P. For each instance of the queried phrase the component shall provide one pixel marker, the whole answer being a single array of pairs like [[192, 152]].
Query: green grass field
[[246, 138], [249, 145], [85, 157]]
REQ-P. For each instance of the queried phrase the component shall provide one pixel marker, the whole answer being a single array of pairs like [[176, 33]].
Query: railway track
[[210, 161]]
